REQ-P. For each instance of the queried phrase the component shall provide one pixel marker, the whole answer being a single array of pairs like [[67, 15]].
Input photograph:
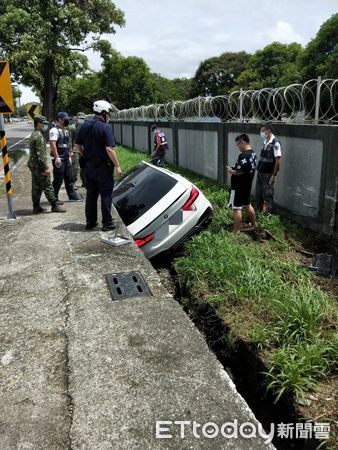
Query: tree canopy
[[40, 39], [124, 81], [218, 75], [273, 66], [320, 57]]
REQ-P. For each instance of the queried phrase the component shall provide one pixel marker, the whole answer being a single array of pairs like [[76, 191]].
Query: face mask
[[66, 122], [45, 127], [80, 121], [263, 135]]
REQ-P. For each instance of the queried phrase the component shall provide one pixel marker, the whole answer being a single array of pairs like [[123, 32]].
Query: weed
[[283, 311]]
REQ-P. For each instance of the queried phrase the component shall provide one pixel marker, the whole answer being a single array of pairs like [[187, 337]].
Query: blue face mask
[[45, 127], [263, 135], [80, 121]]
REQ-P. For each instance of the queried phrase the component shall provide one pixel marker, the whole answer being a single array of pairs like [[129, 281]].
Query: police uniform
[[64, 172], [94, 136], [161, 144], [264, 190], [37, 164]]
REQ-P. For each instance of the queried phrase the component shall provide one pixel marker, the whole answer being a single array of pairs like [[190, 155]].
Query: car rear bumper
[[169, 246]]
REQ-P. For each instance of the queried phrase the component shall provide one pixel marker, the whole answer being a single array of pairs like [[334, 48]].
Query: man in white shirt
[[268, 167]]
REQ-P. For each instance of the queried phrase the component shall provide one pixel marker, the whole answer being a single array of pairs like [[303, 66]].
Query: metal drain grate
[[127, 284]]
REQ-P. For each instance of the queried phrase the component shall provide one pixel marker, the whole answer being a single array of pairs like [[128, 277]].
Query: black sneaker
[[38, 210], [59, 202], [90, 226], [108, 227], [76, 199]]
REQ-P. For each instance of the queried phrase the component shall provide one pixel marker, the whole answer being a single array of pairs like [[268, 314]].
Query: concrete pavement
[[81, 371]]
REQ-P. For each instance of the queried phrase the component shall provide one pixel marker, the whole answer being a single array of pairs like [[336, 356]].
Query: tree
[[274, 66], [320, 57], [126, 81], [218, 75], [166, 90], [78, 94], [39, 39]]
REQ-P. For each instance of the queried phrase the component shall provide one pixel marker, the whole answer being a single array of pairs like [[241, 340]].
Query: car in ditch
[[160, 208]]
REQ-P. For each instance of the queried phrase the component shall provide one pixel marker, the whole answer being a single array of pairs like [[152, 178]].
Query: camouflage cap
[[81, 115], [40, 119]]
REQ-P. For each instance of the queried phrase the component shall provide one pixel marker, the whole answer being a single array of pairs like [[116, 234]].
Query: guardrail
[[315, 101]]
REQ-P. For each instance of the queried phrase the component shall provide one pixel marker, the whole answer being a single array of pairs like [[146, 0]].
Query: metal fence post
[[319, 80], [241, 105], [9, 191]]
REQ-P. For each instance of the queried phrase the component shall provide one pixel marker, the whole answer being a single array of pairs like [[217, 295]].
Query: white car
[[161, 209]]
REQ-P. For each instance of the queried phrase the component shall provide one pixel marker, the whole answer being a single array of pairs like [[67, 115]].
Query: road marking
[[17, 143]]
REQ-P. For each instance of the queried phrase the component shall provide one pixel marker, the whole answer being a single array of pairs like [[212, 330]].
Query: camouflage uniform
[[73, 129], [37, 164], [75, 158]]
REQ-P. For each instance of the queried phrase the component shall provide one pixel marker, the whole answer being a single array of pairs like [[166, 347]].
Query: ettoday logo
[[181, 429]]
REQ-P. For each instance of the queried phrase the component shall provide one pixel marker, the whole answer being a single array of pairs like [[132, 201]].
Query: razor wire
[[315, 101]]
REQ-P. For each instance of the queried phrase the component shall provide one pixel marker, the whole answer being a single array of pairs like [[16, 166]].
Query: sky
[[174, 36]]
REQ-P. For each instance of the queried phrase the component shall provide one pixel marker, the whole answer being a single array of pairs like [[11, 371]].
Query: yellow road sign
[[33, 109], [6, 97]]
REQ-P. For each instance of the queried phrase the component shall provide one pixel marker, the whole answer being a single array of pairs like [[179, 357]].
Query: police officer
[[73, 129], [95, 140], [60, 149], [38, 166], [268, 167], [161, 146]]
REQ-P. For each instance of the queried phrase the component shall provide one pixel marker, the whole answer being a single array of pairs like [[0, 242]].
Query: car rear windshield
[[139, 190]]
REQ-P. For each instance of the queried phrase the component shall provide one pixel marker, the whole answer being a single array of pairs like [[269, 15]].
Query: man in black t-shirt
[[242, 174]]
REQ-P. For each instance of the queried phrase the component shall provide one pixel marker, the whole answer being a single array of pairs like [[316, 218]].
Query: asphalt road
[[17, 134]]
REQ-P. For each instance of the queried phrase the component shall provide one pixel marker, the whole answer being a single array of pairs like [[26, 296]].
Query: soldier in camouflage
[[38, 166], [73, 129]]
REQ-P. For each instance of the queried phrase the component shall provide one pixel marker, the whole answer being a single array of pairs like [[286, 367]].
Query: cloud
[[282, 32], [174, 37]]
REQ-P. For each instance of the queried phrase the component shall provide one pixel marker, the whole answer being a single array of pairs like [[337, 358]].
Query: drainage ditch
[[241, 362]]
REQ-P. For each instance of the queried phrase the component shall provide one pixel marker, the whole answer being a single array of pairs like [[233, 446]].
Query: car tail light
[[193, 195], [145, 240]]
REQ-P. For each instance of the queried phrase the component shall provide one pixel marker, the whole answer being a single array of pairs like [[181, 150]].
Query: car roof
[[174, 175]]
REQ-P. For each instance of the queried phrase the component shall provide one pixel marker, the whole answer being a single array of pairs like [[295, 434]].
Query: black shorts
[[240, 195]]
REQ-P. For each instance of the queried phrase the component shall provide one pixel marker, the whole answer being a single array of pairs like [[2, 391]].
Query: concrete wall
[[307, 185], [141, 138], [169, 157], [127, 135], [117, 132], [198, 151]]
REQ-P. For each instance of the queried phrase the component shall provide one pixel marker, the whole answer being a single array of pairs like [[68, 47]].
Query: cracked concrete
[[82, 372]]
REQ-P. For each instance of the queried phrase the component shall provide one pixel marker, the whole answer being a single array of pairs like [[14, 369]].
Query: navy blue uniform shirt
[[94, 135]]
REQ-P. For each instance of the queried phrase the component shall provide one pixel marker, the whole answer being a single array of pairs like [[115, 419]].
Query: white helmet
[[101, 106]]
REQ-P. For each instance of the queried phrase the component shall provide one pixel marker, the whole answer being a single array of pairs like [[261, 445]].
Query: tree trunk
[[48, 88]]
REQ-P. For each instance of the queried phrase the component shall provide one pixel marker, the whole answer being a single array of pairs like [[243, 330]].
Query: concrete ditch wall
[[307, 185]]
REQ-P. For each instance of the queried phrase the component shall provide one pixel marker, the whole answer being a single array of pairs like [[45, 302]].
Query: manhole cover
[[127, 284]]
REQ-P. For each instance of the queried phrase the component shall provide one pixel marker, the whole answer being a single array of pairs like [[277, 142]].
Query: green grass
[[261, 291], [128, 158]]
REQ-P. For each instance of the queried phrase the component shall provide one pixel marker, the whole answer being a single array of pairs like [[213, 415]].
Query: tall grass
[[262, 290]]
